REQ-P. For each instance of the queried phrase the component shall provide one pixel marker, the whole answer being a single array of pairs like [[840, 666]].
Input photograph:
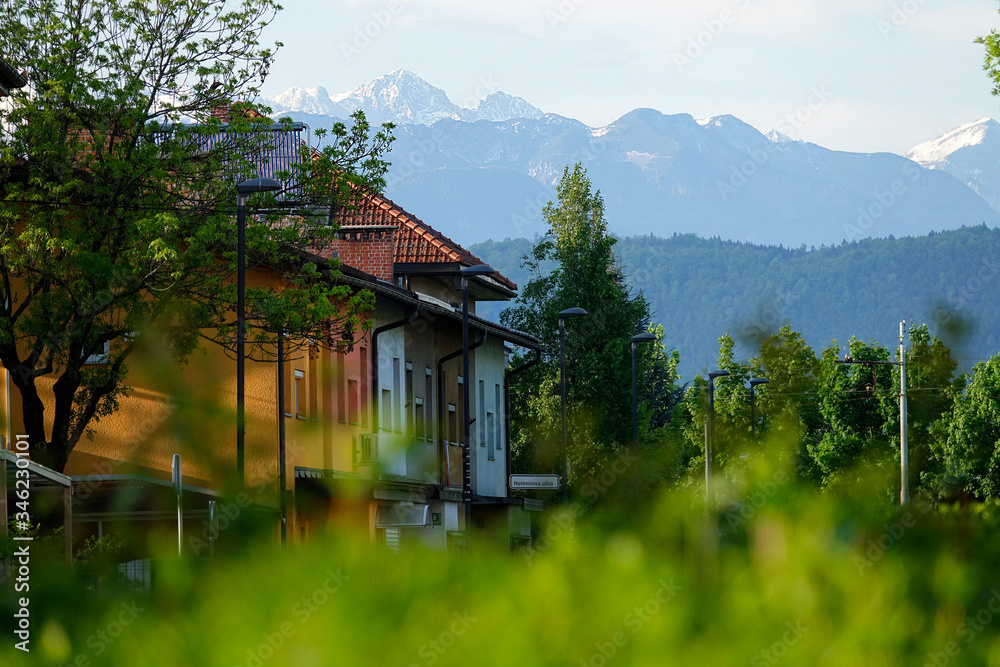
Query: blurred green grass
[[800, 578]]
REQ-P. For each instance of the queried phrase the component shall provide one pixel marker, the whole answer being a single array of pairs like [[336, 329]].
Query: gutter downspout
[[506, 401], [412, 317], [440, 392]]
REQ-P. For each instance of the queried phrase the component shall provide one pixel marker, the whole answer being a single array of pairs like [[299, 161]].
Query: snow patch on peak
[[778, 137], [938, 149], [309, 100], [501, 107]]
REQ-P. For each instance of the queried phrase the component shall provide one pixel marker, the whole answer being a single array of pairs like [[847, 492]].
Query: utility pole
[[904, 449]]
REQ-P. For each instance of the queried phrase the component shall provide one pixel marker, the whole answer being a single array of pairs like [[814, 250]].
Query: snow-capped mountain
[[400, 97], [970, 153], [487, 172], [662, 174], [499, 107]]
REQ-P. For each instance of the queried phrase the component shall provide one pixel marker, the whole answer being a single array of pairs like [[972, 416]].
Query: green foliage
[[699, 288], [969, 437], [798, 575], [118, 200], [575, 266]]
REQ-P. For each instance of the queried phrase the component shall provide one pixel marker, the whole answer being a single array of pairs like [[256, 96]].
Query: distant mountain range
[[400, 97], [486, 172]]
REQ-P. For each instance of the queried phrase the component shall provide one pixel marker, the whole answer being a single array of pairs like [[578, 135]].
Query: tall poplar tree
[[587, 274]]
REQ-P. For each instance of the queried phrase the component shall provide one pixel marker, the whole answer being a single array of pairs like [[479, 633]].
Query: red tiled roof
[[416, 241]]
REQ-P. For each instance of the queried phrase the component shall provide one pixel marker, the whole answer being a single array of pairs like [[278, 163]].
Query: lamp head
[[258, 185], [644, 338], [717, 374], [757, 381], [572, 312]]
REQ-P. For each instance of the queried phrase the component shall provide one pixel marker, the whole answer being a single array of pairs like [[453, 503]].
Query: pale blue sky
[[859, 75]]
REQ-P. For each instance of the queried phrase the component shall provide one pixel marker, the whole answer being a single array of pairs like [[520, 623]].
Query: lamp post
[[466, 273], [709, 425], [243, 189], [563, 315], [753, 404], [638, 338]]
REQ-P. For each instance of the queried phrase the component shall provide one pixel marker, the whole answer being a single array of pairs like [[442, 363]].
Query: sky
[[856, 75]]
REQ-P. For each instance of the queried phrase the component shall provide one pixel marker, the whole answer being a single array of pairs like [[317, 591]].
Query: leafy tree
[[118, 199], [858, 403], [784, 407], [586, 274], [967, 443]]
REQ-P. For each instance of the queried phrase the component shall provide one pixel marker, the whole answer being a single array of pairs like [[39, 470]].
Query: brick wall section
[[368, 249]]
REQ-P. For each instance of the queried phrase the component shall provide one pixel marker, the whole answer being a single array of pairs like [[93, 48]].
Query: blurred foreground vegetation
[[797, 576]]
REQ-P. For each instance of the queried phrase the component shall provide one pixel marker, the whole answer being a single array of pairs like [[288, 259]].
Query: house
[[372, 431], [411, 454]]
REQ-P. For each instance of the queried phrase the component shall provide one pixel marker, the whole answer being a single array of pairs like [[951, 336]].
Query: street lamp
[[243, 189], [466, 273], [709, 424], [638, 338], [563, 315], [753, 404]]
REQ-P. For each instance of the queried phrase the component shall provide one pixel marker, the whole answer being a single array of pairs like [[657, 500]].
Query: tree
[[118, 196], [966, 447], [587, 274]]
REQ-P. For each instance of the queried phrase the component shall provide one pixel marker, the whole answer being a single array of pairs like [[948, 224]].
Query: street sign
[[545, 482]]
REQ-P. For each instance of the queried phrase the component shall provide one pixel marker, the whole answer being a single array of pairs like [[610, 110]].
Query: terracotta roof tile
[[416, 241]]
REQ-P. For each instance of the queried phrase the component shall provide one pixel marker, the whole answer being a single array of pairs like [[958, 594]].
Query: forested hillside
[[701, 288]]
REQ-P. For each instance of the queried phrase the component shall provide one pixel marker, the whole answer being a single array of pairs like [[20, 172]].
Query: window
[[482, 413], [353, 405], [365, 379], [498, 428], [299, 395], [385, 411], [397, 395], [452, 424], [313, 376], [341, 389], [428, 396], [419, 418], [410, 405], [491, 447], [102, 356]]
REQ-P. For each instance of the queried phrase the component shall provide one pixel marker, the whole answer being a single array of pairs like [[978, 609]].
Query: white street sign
[[546, 482]]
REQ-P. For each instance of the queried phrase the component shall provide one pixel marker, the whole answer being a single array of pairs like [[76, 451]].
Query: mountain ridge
[[487, 172]]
